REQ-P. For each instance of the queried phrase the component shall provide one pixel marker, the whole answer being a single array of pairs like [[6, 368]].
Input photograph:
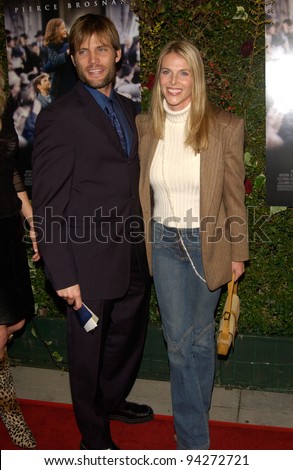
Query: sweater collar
[[176, 116]]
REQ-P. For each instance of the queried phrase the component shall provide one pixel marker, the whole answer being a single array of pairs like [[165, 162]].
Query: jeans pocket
[[164, 236]]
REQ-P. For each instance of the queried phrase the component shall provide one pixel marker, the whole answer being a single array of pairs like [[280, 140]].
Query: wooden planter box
[[42, 344], [257, 362]]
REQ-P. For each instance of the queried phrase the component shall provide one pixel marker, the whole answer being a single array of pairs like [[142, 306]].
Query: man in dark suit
[[88, 218]]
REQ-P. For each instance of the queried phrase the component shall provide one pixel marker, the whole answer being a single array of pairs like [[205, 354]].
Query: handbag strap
[[232, 289]]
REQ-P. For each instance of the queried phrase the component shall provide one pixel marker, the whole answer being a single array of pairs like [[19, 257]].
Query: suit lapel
[[147, 146], [152, 149], [90, 110], [93, 113], [209, 166]]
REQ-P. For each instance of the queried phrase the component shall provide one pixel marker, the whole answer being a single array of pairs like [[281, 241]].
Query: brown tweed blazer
[[223, 227]]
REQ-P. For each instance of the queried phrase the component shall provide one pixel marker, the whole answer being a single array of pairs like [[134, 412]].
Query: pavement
[[231, 405]]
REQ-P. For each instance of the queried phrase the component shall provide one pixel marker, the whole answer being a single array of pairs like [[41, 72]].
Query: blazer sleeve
[[234, 190], [53, 169]]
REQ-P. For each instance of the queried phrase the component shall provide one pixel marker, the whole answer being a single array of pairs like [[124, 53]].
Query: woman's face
[[176, 81], [62, 31]]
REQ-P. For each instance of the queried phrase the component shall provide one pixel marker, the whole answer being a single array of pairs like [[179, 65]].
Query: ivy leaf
[[240, 14], [34, 333], [247, 159], [57, 356], [276, 209], [31, 263], [259, 181]]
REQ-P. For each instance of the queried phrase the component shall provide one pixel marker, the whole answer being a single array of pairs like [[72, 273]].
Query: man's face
[[23, 40], [45, 84], [95, 63]]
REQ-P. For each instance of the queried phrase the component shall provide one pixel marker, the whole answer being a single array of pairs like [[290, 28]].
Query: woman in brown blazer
[[192, 195]]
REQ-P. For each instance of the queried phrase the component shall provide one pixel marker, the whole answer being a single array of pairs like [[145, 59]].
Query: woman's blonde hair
[[199, 116], [52, 33], [2, 92]]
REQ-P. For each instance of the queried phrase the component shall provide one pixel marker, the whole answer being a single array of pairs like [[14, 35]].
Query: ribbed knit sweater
[[175, 171]]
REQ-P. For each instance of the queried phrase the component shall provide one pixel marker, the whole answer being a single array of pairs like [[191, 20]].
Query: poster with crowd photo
[[279, 103], [39, 71]]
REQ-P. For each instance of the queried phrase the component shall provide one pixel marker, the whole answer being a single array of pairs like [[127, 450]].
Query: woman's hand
[[36, 256], [237, 269]]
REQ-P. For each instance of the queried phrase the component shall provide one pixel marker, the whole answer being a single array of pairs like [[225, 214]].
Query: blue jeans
[[187, 310]]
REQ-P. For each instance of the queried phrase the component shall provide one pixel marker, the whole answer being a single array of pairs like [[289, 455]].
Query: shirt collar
[[100, 98]]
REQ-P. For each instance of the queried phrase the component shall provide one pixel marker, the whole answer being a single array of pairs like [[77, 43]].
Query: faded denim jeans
[[187, 309]]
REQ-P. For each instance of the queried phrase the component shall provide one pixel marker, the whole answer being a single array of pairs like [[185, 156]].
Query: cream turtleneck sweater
[[175, 171]]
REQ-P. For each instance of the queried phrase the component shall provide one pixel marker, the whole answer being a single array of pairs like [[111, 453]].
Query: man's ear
[[118, 55], [73, 61]]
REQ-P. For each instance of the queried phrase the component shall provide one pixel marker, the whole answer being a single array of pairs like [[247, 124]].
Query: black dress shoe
[[133, 413], [112, 447]]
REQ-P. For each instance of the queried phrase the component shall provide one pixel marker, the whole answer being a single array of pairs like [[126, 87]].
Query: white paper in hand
[[87, 318]]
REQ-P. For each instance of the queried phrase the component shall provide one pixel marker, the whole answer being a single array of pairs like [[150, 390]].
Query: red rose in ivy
[[246, 48], [248, 185], [150, 82]]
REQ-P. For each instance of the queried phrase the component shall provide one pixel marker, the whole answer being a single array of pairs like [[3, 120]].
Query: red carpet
[[54, 427]]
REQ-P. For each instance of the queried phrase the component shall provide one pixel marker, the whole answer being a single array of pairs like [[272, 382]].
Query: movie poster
[[39, 73], [279, 103]]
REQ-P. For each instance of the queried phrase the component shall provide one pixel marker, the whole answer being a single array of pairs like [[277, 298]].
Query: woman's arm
[[57, 57], [27, 213]]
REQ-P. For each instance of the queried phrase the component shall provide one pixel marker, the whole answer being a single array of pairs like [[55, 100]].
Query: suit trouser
[[103, 365]]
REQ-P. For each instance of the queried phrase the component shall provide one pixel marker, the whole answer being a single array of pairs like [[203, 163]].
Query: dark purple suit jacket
[[85, 193]]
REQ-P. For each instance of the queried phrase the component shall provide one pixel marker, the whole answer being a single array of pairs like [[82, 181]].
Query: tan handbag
[[229, 320]]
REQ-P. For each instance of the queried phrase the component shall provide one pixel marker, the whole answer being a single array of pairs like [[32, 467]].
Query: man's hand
[[71, 295]]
